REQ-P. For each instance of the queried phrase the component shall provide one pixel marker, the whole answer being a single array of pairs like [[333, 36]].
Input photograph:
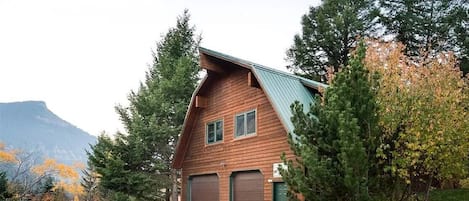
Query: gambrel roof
[[281, 89]]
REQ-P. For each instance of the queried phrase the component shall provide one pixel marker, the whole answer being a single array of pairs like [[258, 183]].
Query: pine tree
[[428, 26], [4, 186], [138, 163], [330, 31], [461, 31], [90, 183], [336, 140], [47, 185], [45, 188]]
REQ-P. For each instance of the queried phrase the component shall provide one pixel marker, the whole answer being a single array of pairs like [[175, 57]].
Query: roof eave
[[183, 144], [218, 55]]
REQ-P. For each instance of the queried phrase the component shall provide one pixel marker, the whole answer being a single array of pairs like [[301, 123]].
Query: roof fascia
[[218, 55]]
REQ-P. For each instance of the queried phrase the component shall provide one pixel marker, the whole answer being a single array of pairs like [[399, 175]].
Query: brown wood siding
[[227, 96]]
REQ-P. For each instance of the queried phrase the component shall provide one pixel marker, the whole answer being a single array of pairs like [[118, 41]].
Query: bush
[[464, 183]]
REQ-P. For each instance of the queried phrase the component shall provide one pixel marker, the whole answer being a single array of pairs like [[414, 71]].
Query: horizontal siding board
[[227, 96]]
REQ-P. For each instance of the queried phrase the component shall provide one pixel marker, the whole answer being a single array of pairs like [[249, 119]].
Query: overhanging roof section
[[231, 59], [281, 88]]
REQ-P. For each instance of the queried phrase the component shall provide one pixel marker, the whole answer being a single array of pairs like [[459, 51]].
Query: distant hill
[[31, 126]]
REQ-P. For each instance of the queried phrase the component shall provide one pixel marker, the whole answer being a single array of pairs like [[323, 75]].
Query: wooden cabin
[[236, 129]]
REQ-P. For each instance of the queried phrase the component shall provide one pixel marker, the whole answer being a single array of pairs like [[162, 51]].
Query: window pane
[[240, 125], [210, 133], [219, 131], [251, 122]]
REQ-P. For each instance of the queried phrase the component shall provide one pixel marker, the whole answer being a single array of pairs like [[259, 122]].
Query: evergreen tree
[[49, 184], [429, 26], [4, 186], [138, 163], [461, 31], [45, 188], [89, 182], [330, 31], [336, 140]]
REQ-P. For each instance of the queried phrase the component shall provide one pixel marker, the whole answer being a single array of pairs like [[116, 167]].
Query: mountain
[[32, 127]]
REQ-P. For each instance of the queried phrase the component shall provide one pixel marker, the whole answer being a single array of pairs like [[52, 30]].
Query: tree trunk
[[427, 194], [167, 194], [174, 179]]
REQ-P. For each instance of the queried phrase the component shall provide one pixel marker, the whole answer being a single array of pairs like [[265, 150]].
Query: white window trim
[[245, 124], [215, 133]]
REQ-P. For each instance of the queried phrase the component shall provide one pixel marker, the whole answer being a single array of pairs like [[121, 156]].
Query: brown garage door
[[248, 186], [204, 188]]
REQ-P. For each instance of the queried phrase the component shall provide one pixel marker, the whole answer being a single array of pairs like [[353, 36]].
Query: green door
[[280, 191]]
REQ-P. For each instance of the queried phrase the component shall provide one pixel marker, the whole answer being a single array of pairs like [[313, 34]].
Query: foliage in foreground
[[336, 140], [423, 109], [385, 135]]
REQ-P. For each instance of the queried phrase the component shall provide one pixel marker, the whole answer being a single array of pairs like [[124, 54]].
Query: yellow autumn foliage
[[423, 112], [62, 170], [68, 176], [7, 156]]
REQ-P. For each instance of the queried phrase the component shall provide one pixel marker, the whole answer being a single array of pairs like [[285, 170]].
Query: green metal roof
[[282, 88], [282, 91]]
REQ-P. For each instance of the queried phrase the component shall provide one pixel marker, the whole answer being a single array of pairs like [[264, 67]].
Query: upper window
[[214, 132], [245, 123]]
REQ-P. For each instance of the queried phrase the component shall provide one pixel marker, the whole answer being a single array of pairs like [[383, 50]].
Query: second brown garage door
[[204, 188], [248, 186]]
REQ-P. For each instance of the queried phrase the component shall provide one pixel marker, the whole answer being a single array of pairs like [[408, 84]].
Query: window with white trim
[[245, 123], [214, 132]]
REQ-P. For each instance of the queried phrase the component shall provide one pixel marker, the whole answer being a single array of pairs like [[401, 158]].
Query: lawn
[[450, 195]]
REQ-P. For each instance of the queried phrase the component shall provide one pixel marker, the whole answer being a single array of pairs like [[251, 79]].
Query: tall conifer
[[336, 140], [138, 163], [429, 26], [329, 32]]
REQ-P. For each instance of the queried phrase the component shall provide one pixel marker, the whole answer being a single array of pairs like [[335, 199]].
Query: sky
[[83, 57]]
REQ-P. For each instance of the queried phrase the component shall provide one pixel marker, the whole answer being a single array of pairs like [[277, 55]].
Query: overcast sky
[[82, 57]]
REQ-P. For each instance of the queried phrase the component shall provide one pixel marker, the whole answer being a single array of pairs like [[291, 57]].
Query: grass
[[450, 195]]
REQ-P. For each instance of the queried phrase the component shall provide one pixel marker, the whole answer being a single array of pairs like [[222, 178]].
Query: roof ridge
[[256, 65], [280, 88], [291, 75], [247, 62], [276, 71], [225, 56]]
